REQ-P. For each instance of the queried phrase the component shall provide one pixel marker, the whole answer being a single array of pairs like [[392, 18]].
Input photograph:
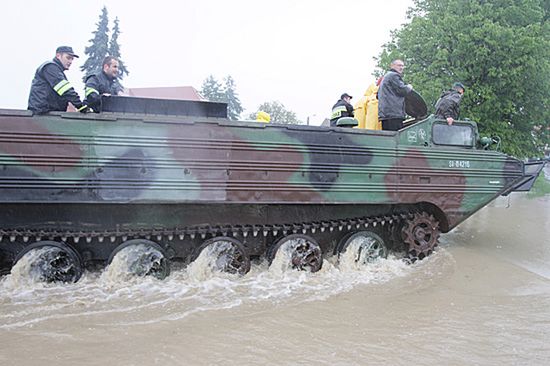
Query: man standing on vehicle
[[391, 97], [102, 83], [342, 108], [448, 105], [50, 89]]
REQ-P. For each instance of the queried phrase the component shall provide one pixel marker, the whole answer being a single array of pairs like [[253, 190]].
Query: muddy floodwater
[[483, 298]]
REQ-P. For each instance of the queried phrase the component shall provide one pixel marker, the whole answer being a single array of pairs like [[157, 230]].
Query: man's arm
[[349, 108], [62, 86], [399, 86], [91, 91]]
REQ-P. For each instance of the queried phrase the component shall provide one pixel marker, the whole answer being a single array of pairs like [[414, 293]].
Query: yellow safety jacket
[[366, 109]]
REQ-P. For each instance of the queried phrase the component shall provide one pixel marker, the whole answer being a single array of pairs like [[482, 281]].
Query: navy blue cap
[[345, 95], [66, 49]]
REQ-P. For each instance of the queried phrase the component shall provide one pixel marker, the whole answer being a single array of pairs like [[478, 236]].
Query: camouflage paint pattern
[[145, 159]]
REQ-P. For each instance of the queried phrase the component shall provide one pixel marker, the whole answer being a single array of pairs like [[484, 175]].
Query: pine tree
[[99, 46], [234, 107], [114, 50], [212, 90]]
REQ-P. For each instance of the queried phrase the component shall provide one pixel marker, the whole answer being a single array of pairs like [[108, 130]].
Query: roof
[[166, 92]]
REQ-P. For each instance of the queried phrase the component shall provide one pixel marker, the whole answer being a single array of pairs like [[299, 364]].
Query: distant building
[[166, 92]]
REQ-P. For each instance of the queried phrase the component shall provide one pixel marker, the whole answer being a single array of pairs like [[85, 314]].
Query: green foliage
[[499, 49], [277, 112], [114, 50], [541, 187], [213, 90], [234, 107], [99, 46]]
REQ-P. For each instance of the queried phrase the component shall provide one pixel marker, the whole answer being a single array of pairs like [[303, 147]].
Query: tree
[[114, 50], [99, 47], [234, 108], [499, 49], [278, 113], [212, 90]]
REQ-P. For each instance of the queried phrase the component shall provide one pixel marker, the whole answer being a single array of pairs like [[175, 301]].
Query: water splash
[[194, 289], [360, 253], [134, 260], [206, 265], [282, 262]]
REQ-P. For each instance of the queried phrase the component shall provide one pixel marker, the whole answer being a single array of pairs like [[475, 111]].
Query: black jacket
[[391, 96], [97, 85], [448, 105], [50, 89], [339, 110]]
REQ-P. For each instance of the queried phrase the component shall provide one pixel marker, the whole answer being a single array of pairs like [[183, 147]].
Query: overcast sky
[[302, 53]]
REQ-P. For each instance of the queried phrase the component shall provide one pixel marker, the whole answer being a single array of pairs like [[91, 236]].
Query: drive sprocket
[[420, 235]]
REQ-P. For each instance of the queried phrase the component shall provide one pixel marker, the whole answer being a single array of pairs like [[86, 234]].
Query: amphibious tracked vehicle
[[170, 179]]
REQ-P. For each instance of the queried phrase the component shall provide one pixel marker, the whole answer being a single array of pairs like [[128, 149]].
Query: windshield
[[455, 134]]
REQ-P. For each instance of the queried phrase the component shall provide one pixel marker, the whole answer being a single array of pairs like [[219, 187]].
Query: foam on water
[[204, 266], [126, 260], [194, 289]]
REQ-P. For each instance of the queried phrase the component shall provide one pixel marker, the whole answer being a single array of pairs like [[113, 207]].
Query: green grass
[[541, 187]]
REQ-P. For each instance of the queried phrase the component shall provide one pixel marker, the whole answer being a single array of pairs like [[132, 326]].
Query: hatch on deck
[[169, 107]]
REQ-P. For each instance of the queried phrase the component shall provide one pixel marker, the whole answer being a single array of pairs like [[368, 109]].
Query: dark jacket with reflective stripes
[[50, 89], [339, 110], [448, 105], [391, 96], [97, 85]]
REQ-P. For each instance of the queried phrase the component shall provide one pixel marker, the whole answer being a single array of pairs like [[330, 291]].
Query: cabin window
[[455, 134]]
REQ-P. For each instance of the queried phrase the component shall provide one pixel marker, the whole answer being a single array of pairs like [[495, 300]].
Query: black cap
[[345, 95], [66, 49], [458, 84]]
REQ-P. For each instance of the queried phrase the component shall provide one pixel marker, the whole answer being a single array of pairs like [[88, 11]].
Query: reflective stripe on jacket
[[97, 85], [340, 109], [50, 89]]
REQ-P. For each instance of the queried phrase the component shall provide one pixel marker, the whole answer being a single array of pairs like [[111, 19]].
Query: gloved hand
[[85, 109]]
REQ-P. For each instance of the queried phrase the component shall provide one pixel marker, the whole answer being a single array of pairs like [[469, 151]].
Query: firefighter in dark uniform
[[50, 89], [102, 83], [342, 108]]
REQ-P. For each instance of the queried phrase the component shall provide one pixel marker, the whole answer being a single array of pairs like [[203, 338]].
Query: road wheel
[[302, 251], [365, 246], [226, 255], [142, 257], [50, 261]]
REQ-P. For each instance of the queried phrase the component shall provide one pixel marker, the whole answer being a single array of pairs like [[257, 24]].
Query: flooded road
[[482, 299]]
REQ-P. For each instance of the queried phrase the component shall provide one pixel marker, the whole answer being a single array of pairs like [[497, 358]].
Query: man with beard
[[102, 83]]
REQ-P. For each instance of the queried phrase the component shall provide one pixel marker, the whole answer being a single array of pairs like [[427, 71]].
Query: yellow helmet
[[262, 116]]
